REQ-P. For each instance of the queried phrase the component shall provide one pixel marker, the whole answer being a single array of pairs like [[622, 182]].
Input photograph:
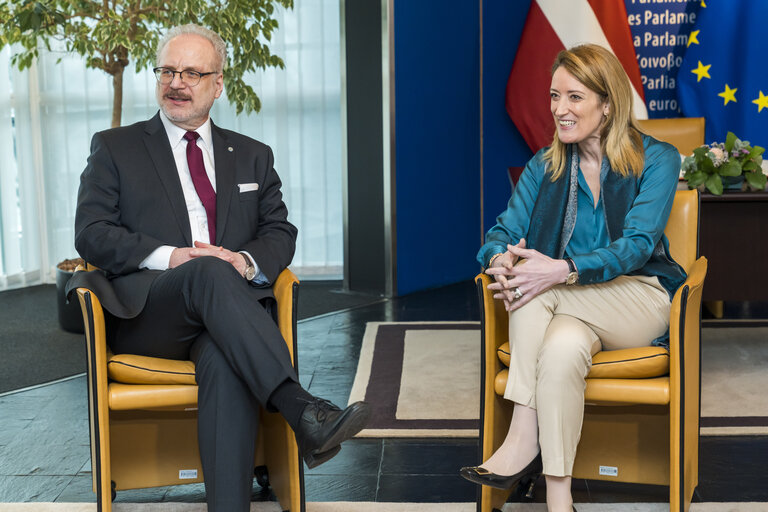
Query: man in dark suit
[[187, 221]]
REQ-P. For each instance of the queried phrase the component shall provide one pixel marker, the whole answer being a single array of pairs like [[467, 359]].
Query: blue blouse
[[590, 246], [590, 232]]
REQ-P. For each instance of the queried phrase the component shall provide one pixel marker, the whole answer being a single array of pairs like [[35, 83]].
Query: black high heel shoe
[[482, 476]]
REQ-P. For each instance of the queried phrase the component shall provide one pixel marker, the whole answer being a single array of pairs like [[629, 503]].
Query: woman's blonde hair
[[600, 71]]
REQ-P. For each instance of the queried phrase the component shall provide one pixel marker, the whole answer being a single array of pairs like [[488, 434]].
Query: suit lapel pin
[[230, 149]]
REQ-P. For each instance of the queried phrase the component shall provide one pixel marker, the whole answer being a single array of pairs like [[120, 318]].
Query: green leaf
[[688, 165], [756, 180], [750, 166], [714, 184], [756, 151], [707, 166], [696, 178], [730, 140], [700, 153], [730, 168]]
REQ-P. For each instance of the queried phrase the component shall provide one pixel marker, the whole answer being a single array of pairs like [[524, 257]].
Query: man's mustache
[[176, 96]]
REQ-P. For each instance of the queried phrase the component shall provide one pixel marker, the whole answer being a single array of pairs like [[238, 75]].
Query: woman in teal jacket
[[587, 218]]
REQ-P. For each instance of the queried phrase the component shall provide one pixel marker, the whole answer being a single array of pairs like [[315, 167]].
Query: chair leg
[[105, 499], [285, 475]]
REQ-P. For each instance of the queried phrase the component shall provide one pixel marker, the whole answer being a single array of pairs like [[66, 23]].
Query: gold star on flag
[[701, 71], [693, 38], [728, 95], [703, 4], [761, 102]]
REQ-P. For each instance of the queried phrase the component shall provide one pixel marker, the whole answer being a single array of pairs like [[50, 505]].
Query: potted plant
[[734, 164], [70, 317]]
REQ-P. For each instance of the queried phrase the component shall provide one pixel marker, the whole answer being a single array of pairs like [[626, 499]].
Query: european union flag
[[724, 73]]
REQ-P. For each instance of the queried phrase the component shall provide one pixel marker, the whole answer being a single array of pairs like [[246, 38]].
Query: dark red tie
[[202, 183]]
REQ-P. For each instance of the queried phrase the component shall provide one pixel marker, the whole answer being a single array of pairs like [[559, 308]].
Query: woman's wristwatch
[[573, 274]]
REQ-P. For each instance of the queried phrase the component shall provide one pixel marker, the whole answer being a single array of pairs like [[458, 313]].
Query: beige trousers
[[553, 339]]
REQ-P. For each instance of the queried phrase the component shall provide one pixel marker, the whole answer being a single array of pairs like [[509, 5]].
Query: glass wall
[[49, 113]]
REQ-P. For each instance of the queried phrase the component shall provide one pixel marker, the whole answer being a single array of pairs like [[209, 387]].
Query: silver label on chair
[[609, 470], [187, 474]]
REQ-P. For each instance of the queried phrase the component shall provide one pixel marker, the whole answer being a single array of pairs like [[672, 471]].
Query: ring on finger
[[518, 293]]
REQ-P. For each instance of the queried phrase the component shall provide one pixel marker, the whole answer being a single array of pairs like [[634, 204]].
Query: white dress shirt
[[160, 258]]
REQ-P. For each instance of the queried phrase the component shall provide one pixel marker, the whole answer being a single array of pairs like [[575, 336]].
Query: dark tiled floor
[[44, 453]]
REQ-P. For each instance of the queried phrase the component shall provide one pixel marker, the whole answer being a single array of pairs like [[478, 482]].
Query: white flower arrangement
[[735, 159]]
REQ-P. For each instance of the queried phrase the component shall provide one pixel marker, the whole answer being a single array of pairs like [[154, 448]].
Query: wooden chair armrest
[[495, 317], [285, 289], [685, 315], [685, 348], [495, 330], [98, 387], [494, 414], [684, 380]]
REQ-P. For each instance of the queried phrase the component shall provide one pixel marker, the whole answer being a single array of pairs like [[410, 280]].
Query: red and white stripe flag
[[554, 25]]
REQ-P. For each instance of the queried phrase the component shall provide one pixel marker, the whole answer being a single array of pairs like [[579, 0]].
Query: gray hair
[[215, 39]]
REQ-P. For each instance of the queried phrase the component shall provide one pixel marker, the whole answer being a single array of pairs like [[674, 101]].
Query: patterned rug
[[423, 379]]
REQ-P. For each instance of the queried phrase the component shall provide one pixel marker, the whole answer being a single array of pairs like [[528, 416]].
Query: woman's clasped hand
[[521, 274]]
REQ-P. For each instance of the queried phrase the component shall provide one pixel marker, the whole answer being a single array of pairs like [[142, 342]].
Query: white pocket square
[[247, 187]]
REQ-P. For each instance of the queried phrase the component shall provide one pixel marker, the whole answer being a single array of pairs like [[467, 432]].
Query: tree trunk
[[117, 99]]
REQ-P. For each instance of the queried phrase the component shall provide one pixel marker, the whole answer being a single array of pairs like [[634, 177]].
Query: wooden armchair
[[641, 421], [143, 416], [685, 133]]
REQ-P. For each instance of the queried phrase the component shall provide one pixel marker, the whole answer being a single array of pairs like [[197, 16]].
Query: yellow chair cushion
[[500, 382], [133, 369], [503, 353], [126, 397], [629, 363], [627, 391], [612, 391]]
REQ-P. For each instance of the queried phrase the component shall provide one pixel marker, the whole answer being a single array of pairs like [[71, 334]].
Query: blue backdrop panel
[[503, 147], [437, 76]]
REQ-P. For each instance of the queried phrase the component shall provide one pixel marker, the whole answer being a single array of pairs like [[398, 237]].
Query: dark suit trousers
[[205, 311]]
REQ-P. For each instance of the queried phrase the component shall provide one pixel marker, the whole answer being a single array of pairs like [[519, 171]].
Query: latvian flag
[[554, 25]]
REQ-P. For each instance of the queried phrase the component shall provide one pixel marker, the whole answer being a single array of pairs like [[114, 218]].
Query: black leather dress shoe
[[482, 476], [323, 427]]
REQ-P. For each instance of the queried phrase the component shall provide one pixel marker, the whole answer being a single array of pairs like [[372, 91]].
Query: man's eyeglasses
[[189, 77]]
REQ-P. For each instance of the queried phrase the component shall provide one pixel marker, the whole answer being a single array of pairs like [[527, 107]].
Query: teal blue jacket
[[635, 209]]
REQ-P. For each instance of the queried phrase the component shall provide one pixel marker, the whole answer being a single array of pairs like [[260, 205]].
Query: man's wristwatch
[[250, 270], [573, 275]]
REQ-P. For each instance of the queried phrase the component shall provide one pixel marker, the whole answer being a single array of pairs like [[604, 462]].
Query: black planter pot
[[70, 317]]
